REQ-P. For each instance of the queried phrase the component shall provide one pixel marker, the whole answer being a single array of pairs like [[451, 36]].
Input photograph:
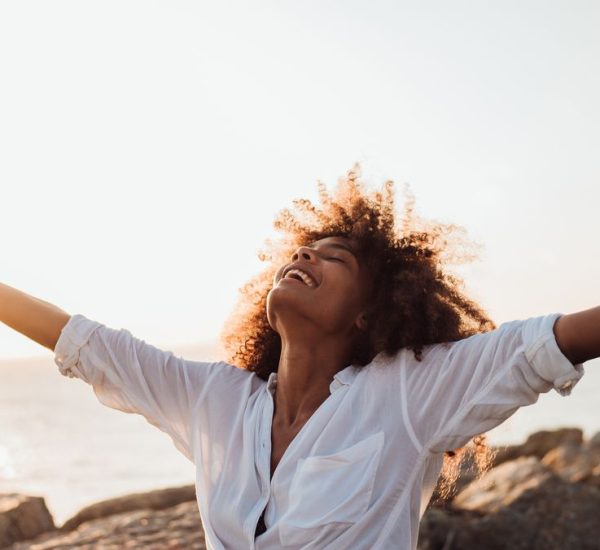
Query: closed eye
[[335, 259]]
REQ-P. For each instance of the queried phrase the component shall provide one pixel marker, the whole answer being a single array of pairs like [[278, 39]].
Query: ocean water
[[58, 441]]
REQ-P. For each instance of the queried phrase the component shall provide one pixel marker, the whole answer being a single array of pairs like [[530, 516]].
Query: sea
[[59, 442]]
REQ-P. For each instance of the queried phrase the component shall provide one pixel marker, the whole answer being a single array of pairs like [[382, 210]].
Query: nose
[[305, 253]]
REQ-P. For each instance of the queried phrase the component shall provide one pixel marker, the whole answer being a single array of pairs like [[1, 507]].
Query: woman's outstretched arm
[[40, 321], [578, 335]]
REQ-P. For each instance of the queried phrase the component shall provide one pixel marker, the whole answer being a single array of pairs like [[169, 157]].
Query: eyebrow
[[345, 247]]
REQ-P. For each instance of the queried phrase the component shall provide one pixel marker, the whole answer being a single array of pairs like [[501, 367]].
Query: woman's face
[[323, 285]]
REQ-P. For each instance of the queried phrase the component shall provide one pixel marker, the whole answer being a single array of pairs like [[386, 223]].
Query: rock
[[594, 479], [502, 485], [571, 463], [594, 442], [562, 457], [152, 500], [539, 444], [22, 517], [574, 462], [438, 528], [521, 505], [176, 528]]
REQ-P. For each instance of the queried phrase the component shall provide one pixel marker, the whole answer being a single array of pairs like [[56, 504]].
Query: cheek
[[342, 295], [344, 282]]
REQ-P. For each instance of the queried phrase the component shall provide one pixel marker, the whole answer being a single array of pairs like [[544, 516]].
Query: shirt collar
[[344, 377], [272, 383]]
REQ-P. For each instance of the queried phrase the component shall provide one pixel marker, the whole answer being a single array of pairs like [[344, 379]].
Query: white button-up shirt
[[361, 471]]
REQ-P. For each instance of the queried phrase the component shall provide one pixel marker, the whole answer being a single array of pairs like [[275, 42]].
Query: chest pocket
[[329, 493]]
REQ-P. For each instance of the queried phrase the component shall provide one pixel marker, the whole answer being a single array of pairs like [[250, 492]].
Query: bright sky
[[147, 146]]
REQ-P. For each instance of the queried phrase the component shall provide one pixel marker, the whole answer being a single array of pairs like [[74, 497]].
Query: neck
[[305, 372]]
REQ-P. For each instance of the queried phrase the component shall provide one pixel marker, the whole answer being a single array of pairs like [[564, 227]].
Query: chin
[[283, 303], [273, 304]]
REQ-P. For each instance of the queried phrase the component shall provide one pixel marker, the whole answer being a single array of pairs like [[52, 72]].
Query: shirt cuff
[[73, 336], [546, 358]]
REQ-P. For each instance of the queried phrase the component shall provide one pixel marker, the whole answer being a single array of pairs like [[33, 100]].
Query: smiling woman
[[407, 285], [357, 367], [369, 270]]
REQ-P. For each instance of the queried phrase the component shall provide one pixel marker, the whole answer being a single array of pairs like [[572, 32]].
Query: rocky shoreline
[[543, 494], [156, 520]]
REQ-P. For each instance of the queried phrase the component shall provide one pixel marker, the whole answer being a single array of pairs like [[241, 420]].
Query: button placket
[[264, 464]]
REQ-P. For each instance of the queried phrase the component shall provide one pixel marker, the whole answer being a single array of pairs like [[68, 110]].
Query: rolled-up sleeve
[[132, 376], [545, 356], [467, 387]]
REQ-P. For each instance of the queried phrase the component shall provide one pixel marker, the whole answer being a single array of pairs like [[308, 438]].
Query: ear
[[361, 321]]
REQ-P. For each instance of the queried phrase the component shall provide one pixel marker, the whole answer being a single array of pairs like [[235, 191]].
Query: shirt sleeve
[[467, 387], [132, 376]]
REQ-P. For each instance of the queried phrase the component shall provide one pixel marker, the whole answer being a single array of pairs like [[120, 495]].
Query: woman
[[358, 365]]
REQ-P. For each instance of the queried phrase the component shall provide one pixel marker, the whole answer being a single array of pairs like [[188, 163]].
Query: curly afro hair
[[416, 301]]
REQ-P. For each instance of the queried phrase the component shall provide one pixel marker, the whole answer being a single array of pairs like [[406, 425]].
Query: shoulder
[[222, 372], [384, 364]]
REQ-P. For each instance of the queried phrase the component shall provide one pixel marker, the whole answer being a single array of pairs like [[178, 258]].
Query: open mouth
[[301, 276]]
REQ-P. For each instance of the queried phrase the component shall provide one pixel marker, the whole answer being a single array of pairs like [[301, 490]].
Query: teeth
[[305, 277]]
